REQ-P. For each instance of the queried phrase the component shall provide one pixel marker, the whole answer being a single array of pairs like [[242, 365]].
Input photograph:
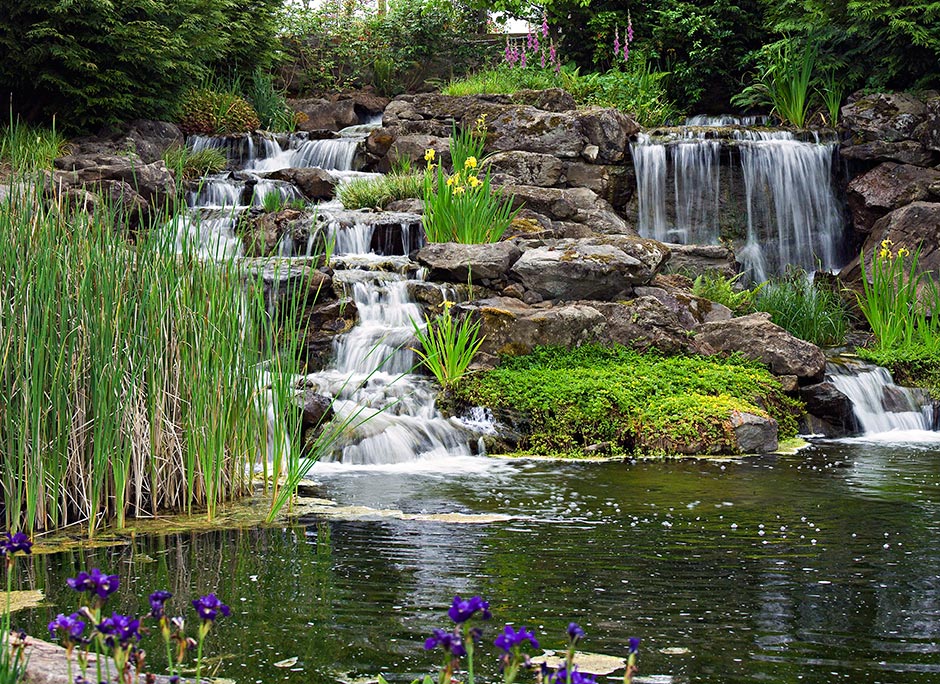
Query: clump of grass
[[273, 202], [135, 380], [637, 403], [379, 192], [805, 309], [29, 148], [503, 80], [270, 103], [190, 165], [715, 287], [447, 346]]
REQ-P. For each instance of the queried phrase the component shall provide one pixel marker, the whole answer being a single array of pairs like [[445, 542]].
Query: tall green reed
[[808, 310], [131, 374], [447, 345]]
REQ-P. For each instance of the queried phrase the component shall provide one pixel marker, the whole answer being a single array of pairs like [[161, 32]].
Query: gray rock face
[[154, 182], [412, 148], [614, 183], [573, 205], [755, 337], [696, 260], [589, 268], [903, 152], [315, 184], [890, 117], [525, 168], [532, 130], [754, 434], [550, 100], [323, 114], [456, 263], [645, 323], [887, 187], [829, 410], [609, 130]]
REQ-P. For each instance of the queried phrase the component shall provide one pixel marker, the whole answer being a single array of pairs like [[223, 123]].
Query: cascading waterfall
[[778, 194], [879, 405]]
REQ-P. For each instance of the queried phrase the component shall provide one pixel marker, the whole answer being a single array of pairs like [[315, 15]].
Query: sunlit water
[[819, 567]]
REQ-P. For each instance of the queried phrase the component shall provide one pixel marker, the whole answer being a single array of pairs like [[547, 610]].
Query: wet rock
[[323, 323], [570, 205], [689, 309], [903, 152], [367, 103], [261, 232], [313, 183], [592, 268], [829, 410], [525, 168], [696, 260], [928, 133], [321, 114], [755, 337], [612, 182], [549, 100], [887, 187], [644, 323], [456, 263], [609, 130], [753, 434], [316, 410], [890, 117]]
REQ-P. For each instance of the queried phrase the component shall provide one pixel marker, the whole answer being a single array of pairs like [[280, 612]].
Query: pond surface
[[817, 567]]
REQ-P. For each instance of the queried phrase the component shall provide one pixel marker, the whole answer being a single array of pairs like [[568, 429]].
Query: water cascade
[[879, 405], [772, 191]]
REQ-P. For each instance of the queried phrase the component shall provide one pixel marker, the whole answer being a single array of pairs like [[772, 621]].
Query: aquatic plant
[[189, 165], [29, 148], [726, 291], [784, 82], [377, 193], [805, 308], [831, 90], [273, 202], [448, 346], [12, 647]]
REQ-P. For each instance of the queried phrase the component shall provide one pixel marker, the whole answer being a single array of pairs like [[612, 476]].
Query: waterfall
[[775, 192], [879, 405], [726, 120]]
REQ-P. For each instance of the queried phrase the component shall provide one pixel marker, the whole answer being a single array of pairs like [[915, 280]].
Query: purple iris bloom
[[95, 582], [157, 599], [461, 610], [510, 638], [449, 641], [120, 629], [575, 632], [208, 607], [70, 627], [561, 677], [634, 645], [14, 543]]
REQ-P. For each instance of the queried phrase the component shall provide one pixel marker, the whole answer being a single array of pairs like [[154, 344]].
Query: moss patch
[[638, 404]]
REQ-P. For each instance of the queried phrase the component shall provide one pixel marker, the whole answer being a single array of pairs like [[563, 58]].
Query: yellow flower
[[903, 252], [447, 304], [453, 180], [474, 182], [481, 122], [429, 154], [459, 190], [470, 163]]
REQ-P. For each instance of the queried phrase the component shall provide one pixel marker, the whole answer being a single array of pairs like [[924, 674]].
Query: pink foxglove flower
[[544, 25], [616, 41], [626, 51], [629, 28], [522, 60]]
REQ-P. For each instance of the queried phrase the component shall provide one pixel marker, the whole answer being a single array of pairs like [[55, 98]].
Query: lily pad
[[589, 663]]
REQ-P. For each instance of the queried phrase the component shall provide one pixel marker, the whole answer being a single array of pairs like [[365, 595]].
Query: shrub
[[571, 399], [216, 112], [807, 310], [726, 291], [189, 165]]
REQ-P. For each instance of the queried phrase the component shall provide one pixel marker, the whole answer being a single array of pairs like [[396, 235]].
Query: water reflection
[[818, 567]]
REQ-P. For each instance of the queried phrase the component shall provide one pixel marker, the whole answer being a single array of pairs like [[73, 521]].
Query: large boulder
[[614, 183], [154, 181], [609, 131], [532, 130], [589, 268], [458, 263], [549, 100], [890, 117], [755, 337], [903, 152], [828, 411], [928, 133], [318, 114], [313, 183], [887, 187], [571, 205], [412, 148], [525, 168], [645, 323], [696, 260]]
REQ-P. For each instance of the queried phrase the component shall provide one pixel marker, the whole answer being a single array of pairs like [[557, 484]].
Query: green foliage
[[98, 62], [810, 311], [899, 302], [189, 165], [135, 387], [342, 45], [639, 403], [913, 365], [460, 207], [831, 90], [377, 193], [216, 112], [28, 148], [503, 80], [273, 202], [447, 346], [717, 288], [270, 103], [785, 82]]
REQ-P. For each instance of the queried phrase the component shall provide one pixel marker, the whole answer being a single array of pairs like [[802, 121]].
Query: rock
[[928, 133], [574, 205], [689, 309], [911, 226], [261, 232], [379, 141], [314, 183], [829, 410], [754, 434], [367, 103], [890, 117], [316, 410], [150, 139], [609, 130], [324, 114], [47, 663], [412, 148], [887, 187], [612, 182], [589, 268], [154, 182], [525, 168], [549, 100], [532, 130], [755, 337], [904, 152], [323, 323], [513, 327], [696, 260], [789, 383], [456, 263], [644, 323]]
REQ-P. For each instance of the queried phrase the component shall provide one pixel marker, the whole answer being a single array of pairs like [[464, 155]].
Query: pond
[[817, 567]]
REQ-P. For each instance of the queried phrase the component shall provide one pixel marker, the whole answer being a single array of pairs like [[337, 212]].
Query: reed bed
[[135, 378]]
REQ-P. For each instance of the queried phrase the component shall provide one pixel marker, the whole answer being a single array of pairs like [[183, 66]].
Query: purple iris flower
[[510, 638], [157, 599], [575, 632], [14, 543], [95, 582], [120, 629], [208, 607], [461, 610], [449, 641], [71, 627], [561, 677], [634, 645]]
